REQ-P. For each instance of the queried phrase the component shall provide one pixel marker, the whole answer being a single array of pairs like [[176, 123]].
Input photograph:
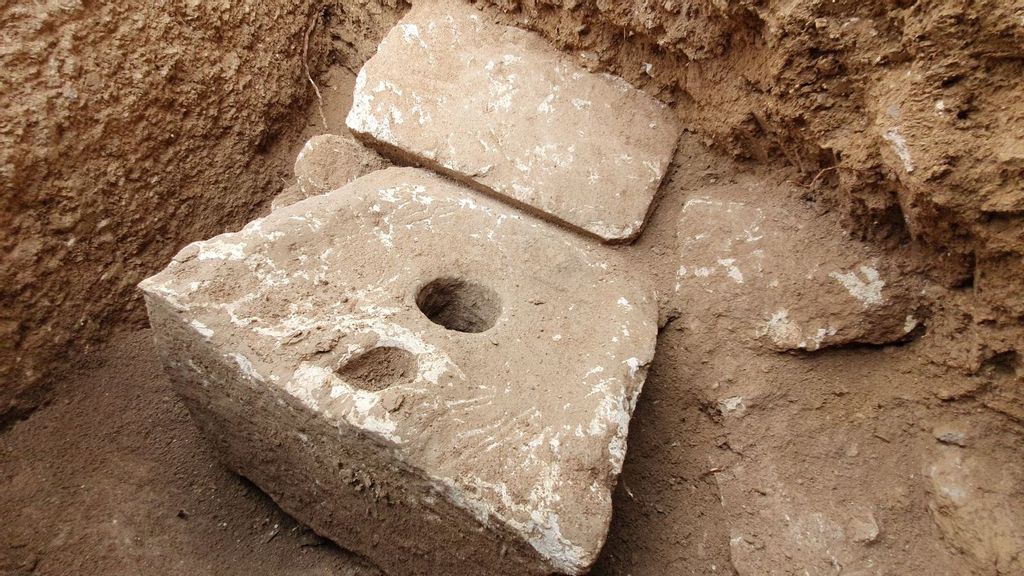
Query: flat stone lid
[[518, 409], [499, 107]]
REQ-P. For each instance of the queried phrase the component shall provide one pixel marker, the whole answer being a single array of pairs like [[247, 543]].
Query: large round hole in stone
[[379, 368], [459, 304]]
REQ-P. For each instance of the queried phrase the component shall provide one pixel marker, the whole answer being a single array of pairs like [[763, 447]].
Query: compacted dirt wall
[[129, 129]]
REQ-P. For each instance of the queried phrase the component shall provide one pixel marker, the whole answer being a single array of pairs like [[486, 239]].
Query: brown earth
[[128, 131]]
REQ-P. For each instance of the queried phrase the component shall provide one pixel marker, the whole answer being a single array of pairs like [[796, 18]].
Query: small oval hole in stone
[[379, 368], [459, 305]]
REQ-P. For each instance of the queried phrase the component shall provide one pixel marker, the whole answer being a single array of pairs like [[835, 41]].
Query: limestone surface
[[326, 162], [424, 375], [498, 107], [793, 286]]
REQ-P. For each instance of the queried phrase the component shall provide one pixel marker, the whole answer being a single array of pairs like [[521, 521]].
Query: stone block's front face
[[423, 375], [759, 265], [498, 107]]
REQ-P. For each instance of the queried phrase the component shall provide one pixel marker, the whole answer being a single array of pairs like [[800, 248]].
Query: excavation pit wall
[[129, 131]]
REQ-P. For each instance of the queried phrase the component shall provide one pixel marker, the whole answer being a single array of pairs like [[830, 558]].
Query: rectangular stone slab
[[422, 374], [498, 107]]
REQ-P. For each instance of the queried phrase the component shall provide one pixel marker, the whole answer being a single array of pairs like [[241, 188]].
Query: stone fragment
[[325, 163], [426, 376], [863, 527], [976, 501], [950, 434], [498, 107], [780, 273]]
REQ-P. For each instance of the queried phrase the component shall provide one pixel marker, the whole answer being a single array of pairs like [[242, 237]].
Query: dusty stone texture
[[498, 107], [312, 348], [906, 116], [128, 130], [976, 502], [794, 284], [327, 162]]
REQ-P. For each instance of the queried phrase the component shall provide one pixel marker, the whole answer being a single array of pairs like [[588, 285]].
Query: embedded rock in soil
[[784, 273], [325, 163], [975, 500], [499, 107], [396, 365]]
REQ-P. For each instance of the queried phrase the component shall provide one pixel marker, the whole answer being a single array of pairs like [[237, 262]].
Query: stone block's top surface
[[518, 409], [763, 266], [498, 106]]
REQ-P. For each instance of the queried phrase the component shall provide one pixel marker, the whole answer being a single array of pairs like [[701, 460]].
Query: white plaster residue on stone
[[217, 249], [787, 334], [899, 146], [868, 290], [698, 201], [633, 364], [781, 330], [386, 238], [552, 154], [266, 270], [613, 232], [540, 524], [255, 228], [909, 324], [389, 195], [360, 408], [625, 303], [731, 404], [411, 34], [731, 270], [377, 421], [245, 365], [545, 106], [361, 118], [555, 443], [502, 88], [814, 341], [203, 329], [166, 290], [421, 112], [656, 172], [613, 412], [753, 234]]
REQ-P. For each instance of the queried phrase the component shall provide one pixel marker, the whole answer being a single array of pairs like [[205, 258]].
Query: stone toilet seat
[[456, 375]]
